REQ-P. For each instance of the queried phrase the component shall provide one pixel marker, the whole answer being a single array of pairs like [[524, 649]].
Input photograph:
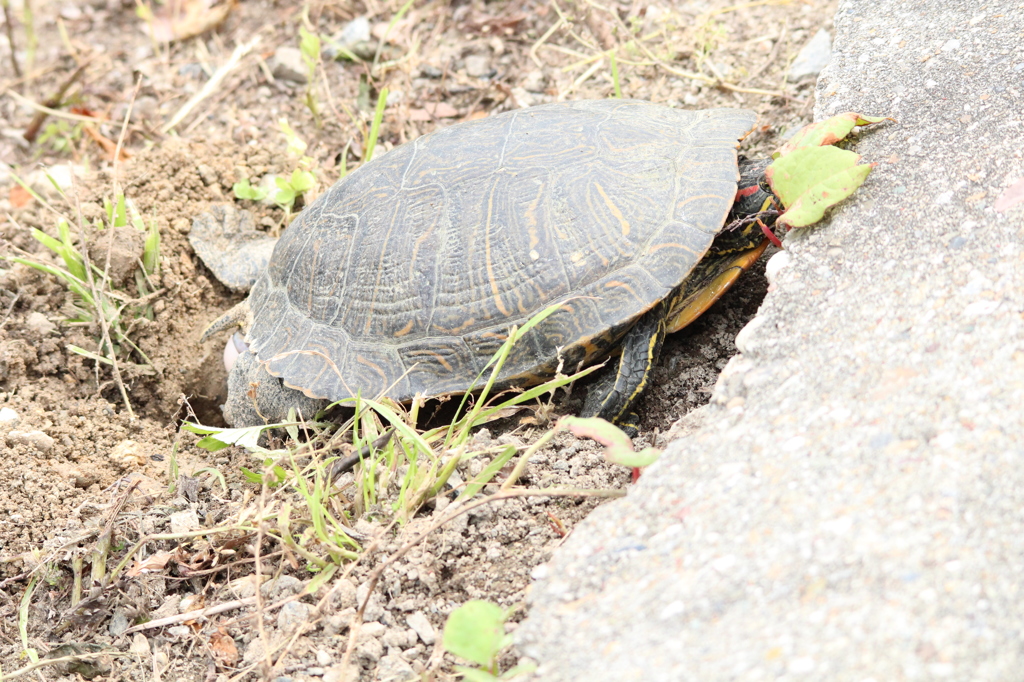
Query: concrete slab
[[853, 507]]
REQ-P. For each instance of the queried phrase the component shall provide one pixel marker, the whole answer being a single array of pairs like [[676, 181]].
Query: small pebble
[[140, 645], [284, 586], [323, 658], [292, 615], [36, 439], [535, 81], [422, 627], [776, 264], [38, 323], [813, 57], [393, 668], [184, 521], [286, 64], [8, 417], [478, 66]]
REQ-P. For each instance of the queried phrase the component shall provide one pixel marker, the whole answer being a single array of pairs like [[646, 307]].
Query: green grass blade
[[378, 116]]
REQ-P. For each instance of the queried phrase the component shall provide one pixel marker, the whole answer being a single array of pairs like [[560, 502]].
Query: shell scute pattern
[[418, 263]]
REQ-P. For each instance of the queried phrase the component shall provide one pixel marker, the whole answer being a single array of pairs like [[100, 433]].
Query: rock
[[397, 638], [339, 622], [184, 521], [8, 417], [284, 586], [118, 623], [813, 57], [323, 658], [422, 627], [286, 64], [343, 594], [61, 174], [139, 645], [37, 323], [207, 174], [127, 453], [35, 439], [535, 81], [369, 652], [776, 264], [393, 668], [478, 66], [353, 39], [374, 609], [342, 673], [293, 615]]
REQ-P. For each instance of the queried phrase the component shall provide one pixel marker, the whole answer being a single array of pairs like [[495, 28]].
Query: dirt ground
[[85, 475]]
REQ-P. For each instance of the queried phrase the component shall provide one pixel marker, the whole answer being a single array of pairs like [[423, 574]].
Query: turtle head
[[753, 194], [753, 211], [257, 397]]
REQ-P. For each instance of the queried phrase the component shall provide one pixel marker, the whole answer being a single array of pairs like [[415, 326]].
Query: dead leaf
[[222, 646], [157, 562], [1013, 195], [19, 196]]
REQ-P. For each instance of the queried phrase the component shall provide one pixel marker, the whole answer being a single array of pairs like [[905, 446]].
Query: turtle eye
[[235, 346]]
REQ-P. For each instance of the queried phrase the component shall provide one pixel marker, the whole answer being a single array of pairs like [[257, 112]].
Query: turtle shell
[[405, 277]]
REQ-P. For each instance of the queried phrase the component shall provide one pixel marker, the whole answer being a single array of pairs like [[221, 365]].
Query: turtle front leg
[[615, 394]]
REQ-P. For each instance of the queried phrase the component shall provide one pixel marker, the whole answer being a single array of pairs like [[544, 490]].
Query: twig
[[9, 23], [56, 113], [42, 112], [192, 615], [10, 308], [211, 85], [342, 465]]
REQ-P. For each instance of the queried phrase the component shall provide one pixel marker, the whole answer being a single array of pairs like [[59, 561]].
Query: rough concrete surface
[[853, 507]]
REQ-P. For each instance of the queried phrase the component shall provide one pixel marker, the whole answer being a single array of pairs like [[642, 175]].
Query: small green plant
[[243, 190], [309, 47], [291, 188], [476, 632], [61, 136], [378, 117], [96, 301], [615, 74]]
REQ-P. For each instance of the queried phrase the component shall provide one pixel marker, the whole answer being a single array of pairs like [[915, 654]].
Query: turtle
[[405, 277]]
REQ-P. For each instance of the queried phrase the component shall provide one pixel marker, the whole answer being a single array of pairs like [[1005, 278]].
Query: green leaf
[[476, 632], [243, 190], [618, 448], [826, 132], [301, 181], [151, 250], [378, 117], [810, 180], [475, 674], [309, 46], [218, 439], [296, 145]]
